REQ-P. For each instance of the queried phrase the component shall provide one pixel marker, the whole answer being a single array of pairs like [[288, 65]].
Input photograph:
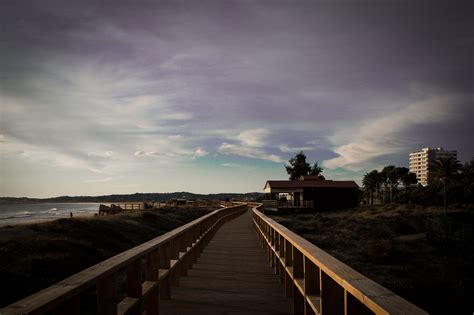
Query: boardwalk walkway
[[232, 276]]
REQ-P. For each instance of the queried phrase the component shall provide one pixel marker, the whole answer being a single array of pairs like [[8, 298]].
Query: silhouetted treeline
[[137, 197], [397, 185]]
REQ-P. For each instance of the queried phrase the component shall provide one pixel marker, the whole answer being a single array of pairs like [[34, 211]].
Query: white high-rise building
[[420, 162]]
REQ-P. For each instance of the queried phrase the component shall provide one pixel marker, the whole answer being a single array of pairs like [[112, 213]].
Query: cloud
[[250, 152], [287, 149], [104, 154], [231, 165], [16, 149], [147, 153], [176, 116], [358, 146], [253, 137], [199, 152], [252, 144], [100, 180]]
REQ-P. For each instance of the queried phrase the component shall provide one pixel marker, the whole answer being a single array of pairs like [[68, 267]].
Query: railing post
[[298, 274], [332, 296], [277, 253], [174, 272], [288, 270], [152, 306], [133, 285], [311, 286], [106, 300], [183, 248], [282, 256], [165, 260]]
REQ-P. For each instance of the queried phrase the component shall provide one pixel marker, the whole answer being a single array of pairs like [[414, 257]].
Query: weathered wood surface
[[232, 276], [342, 290]]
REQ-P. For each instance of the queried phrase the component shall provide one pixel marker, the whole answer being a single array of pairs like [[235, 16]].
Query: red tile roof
[[311, 184]]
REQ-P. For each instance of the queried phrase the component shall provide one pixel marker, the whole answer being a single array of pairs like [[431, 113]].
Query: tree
[[393, 176], [408, 180], [371, 182], [445, 171], [297, 167], [390, 176], [315, 169]]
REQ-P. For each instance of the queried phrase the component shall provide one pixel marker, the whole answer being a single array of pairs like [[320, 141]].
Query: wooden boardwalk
[[232, 276]]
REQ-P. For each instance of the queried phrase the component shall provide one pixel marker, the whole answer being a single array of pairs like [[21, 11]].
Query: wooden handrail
[[320, 283], [150, 269]]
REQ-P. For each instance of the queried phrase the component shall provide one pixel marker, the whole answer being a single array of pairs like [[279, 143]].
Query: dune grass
[[387, 244], [35, 256]]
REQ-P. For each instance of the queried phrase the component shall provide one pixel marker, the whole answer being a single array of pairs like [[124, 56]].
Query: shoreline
[[44, 220]]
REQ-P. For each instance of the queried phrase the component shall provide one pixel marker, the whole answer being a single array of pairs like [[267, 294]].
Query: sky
[[103, 97]]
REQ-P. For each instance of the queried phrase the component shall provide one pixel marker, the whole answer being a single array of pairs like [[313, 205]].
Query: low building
[[421, 161], [311, 192]]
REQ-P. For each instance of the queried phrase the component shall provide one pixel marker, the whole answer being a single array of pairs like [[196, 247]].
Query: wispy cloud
[[285, 148], [250, 152], [389, 134], [253, 137]]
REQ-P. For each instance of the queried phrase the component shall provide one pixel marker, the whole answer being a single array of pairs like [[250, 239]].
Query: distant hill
[[136, 197]]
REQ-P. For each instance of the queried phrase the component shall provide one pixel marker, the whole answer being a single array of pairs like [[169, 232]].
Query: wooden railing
[[130, 205], [287, 203], [149, 270], [318, 282]]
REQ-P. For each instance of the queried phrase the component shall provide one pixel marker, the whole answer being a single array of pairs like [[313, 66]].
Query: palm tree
[[445, 170], [371, 183]]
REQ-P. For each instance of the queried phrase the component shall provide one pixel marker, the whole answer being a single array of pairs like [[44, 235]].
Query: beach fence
[[123, 207]]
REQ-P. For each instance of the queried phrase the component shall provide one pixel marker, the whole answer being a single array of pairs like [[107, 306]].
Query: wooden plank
[[230, 279]]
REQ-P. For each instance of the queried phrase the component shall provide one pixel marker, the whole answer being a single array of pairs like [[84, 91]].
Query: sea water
[[14, 213]]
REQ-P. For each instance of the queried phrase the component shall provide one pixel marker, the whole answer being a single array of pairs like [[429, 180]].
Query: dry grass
[[437, 277], [35, 256]]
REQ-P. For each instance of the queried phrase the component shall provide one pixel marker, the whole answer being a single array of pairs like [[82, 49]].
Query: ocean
[[14, 213]]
